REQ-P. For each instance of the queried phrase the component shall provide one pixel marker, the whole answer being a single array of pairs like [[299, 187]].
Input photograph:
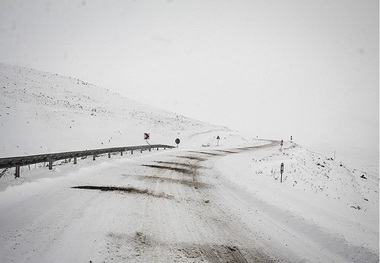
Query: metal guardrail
[[19, 161]]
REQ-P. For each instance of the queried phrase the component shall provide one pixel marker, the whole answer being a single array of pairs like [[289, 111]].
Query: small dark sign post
[[146, 137], [281, 143], [218, 138], [177, 141], [291, 138], [282, 171]]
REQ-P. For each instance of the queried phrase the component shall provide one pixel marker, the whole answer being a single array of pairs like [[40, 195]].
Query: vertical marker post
[[282, 171], [17, 172], [217, 138]]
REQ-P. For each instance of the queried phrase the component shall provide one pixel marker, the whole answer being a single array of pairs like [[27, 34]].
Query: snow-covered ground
[[325, 205], [220, 204], [196, 203]]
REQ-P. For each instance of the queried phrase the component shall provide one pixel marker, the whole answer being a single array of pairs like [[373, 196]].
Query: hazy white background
[[306, 68]]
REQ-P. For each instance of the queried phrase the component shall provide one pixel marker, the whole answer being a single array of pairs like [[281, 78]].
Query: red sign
[[146, 136]]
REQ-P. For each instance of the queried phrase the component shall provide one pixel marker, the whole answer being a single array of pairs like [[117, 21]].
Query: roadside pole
[[282, 171]]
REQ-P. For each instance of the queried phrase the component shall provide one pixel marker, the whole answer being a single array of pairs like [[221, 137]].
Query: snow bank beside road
[[329, 205]]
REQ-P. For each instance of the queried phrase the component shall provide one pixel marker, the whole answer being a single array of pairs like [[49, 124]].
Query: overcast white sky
[[307, 68]]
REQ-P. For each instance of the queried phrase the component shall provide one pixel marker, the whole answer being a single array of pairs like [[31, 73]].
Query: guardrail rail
[[19, 161]]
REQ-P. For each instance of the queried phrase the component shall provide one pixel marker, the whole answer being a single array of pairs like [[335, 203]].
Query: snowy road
[[169, 206]]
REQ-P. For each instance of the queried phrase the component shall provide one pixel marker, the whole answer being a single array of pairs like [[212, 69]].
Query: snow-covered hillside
[[42, 113]]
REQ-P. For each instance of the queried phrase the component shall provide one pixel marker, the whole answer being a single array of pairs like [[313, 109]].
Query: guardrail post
[[150, 148], [17, 172], [109, 155], [75, 160], [157, 148], [50, 164], [141, 150], [121, 153], [131, 151], [94, 157]]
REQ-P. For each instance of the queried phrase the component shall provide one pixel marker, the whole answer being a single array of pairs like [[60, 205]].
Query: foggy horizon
[[307, 69]]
